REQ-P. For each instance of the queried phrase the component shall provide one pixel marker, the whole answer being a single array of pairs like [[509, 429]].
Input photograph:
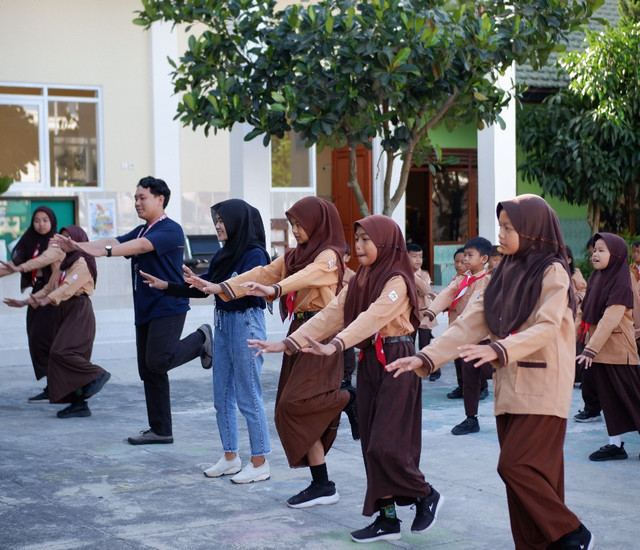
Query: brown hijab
[[516, 283], [321, 222], [609, 286], [79, 236], [393, 259]]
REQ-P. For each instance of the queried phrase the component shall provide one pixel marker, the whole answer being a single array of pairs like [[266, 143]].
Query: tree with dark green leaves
[[629, 11], [344, 72], [582, 145]]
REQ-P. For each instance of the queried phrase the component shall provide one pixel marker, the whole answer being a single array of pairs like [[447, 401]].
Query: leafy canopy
[[343, 72], [583, 144]]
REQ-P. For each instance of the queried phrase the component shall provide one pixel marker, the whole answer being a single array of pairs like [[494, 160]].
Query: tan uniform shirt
[[51, 256], [425, 297], [535, 367], [77, 280], [315, 285], [389, 314], [443, 300], [579, 286], [611, 340]]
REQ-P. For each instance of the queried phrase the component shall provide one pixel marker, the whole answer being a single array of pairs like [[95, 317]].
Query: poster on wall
[[102, 218]]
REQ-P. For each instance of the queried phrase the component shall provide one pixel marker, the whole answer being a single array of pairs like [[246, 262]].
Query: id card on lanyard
[[136, 269]]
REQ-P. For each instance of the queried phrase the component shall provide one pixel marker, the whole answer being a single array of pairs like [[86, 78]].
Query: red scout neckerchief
[[291, 300], [379, 350], [637, 270], [63, 274], [36, 253], [464, 286], [584, 329]]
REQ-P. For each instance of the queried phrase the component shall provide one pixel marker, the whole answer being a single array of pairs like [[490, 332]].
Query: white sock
[[615, 440]]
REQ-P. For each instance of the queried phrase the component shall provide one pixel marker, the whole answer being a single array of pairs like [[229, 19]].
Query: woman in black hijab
[[35, 260], [236, 376]]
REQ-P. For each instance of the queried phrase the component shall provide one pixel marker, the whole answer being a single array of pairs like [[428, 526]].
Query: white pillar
[[166, 131], [250, 173], [497, 164]]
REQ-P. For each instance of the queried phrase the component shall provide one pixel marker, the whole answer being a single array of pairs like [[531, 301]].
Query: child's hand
[[7, 268], [12, 302], [266, 347], [483, 354], [404, 364], [316, 348], [256, 289], [153, 282], [584, 360]]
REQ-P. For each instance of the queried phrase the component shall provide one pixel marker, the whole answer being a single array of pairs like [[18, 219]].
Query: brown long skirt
[[619, 392], [531, 464], [70, 366], [308, 402], [390, 418]]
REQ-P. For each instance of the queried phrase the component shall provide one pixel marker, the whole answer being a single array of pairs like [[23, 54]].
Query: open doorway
[[442, 208]]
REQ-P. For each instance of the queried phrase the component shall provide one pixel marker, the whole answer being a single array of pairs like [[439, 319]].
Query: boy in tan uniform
[[456, 297]]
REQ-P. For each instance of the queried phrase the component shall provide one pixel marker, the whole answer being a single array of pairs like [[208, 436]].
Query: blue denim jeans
[[236, 379]]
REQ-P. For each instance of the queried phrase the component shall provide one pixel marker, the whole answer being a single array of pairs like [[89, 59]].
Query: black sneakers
[[609, 452], [455, 393], [149, 437], [586, 415], [42, 396], [315, 494], [383, 528], [435, 376], [580, 539], [75, 410], [426, 511], [96, 385], [469, 425]]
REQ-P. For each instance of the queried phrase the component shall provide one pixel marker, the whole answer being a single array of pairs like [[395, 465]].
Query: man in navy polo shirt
[[156, 247]]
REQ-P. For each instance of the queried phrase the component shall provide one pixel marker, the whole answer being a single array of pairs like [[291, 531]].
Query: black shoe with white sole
[[383, 528], [427, 509]]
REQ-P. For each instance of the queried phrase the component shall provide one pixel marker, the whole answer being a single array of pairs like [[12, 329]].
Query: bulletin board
[[16, 212]]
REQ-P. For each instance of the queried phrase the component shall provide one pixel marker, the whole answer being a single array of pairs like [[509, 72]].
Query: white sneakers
[[248, 474], [224, 467]]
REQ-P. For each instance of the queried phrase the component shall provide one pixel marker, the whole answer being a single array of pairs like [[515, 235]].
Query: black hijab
[[516, 283], [245, 230], [30, 240], [611, 285]]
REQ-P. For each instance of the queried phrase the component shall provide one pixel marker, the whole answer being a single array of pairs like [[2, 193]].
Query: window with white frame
[[292, 163], [49, 136]]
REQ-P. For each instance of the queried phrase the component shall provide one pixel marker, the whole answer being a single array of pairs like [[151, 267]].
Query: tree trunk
[[593, 217], [354, 185]]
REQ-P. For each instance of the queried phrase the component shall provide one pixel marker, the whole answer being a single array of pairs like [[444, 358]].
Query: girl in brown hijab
[[528, 311], [378, 312], [309, 401], [610, 346]]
